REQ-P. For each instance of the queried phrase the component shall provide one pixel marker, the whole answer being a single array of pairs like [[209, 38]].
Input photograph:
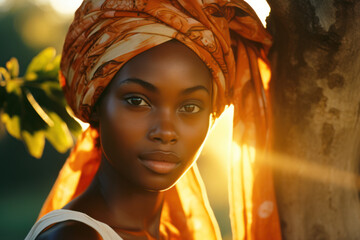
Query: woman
[[150, 76]]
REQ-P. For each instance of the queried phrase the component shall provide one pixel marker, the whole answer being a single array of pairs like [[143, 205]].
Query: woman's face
[[154, 116]]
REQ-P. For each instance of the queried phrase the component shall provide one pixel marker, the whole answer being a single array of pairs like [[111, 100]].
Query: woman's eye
[[136, 101], [190, 108]]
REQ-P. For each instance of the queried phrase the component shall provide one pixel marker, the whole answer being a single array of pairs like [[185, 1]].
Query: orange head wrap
[[106, 34], [229, 38]]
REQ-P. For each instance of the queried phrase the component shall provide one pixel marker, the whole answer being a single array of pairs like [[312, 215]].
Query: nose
[[163, 130]]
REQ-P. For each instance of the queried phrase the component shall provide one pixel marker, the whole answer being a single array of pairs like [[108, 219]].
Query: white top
[[56, 216]]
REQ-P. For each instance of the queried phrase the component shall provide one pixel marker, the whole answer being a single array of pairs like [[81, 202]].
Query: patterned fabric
[[106, 34], [229, 38]]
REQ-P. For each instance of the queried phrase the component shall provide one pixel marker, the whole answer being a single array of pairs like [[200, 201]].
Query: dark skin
[[153, 119]]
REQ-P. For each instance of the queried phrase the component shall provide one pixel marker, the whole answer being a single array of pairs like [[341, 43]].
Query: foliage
[[33, 107]]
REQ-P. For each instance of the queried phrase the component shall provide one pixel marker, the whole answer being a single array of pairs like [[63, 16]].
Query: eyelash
[[194, 106], [183, 109], [129, 99]]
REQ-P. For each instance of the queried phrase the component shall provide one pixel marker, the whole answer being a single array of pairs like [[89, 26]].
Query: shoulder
[[69, 230]]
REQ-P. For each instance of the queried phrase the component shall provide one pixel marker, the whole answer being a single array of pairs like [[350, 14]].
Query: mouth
[[160, 162]]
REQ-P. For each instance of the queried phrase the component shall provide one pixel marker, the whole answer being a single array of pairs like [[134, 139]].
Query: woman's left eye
[[190, 108], [136, 101]]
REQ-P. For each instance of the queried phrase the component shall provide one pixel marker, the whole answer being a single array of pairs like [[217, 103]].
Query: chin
[[160, 185]]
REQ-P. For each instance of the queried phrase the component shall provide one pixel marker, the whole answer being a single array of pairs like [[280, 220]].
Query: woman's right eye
[[136, 101]]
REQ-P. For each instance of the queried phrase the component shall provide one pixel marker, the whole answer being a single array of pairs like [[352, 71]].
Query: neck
[[132, 210]]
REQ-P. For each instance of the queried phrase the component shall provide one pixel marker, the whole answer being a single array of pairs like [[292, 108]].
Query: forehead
[[170, 61]]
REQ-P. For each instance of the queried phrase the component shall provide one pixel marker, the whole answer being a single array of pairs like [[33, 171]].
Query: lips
[[160, 162]]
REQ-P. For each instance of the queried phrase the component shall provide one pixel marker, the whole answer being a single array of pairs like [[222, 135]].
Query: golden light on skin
[[215, 154]]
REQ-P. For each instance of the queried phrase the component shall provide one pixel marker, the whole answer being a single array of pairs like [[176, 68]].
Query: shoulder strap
[[60, 215]]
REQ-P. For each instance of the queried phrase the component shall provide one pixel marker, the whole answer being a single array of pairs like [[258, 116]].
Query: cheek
[[120, 132], [194, 135]]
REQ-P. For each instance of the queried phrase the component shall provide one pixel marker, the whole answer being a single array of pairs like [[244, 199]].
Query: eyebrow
[[194, 89], [140, 82], [152, 88]]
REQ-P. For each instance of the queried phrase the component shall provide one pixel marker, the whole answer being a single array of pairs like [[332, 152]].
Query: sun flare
[[65, 6]]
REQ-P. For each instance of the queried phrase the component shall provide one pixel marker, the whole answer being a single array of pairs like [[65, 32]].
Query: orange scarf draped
[[229, 38]]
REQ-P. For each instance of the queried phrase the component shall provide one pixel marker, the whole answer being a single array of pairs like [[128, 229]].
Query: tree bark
[[316, 102]]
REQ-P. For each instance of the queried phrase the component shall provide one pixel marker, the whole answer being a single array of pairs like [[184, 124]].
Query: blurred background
[[27, 27]]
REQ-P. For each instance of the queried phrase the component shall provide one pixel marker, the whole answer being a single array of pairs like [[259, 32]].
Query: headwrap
[[231, 41]]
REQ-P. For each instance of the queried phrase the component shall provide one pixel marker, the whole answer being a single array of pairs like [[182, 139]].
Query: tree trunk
[[316, 100]]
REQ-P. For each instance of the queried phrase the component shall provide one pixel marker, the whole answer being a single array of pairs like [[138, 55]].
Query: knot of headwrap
[[231, 41]]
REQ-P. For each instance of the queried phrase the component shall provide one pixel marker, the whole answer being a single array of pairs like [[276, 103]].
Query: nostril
[[163, 133], [158, 139], [164, 140]]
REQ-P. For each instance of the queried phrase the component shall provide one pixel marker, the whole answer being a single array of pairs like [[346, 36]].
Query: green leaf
[[11, 114], [40, 62], [38, 109], [64, 114], [32, 125], [12, 124], [53, 67], [53, 91], [51, 98], [73, 125], [4, 75], [34, 107], [13, 86], [31, 121], [59, 135], [13, 67], [34, 142]]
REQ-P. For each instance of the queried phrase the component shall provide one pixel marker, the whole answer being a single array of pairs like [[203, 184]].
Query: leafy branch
[[33, 107]]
